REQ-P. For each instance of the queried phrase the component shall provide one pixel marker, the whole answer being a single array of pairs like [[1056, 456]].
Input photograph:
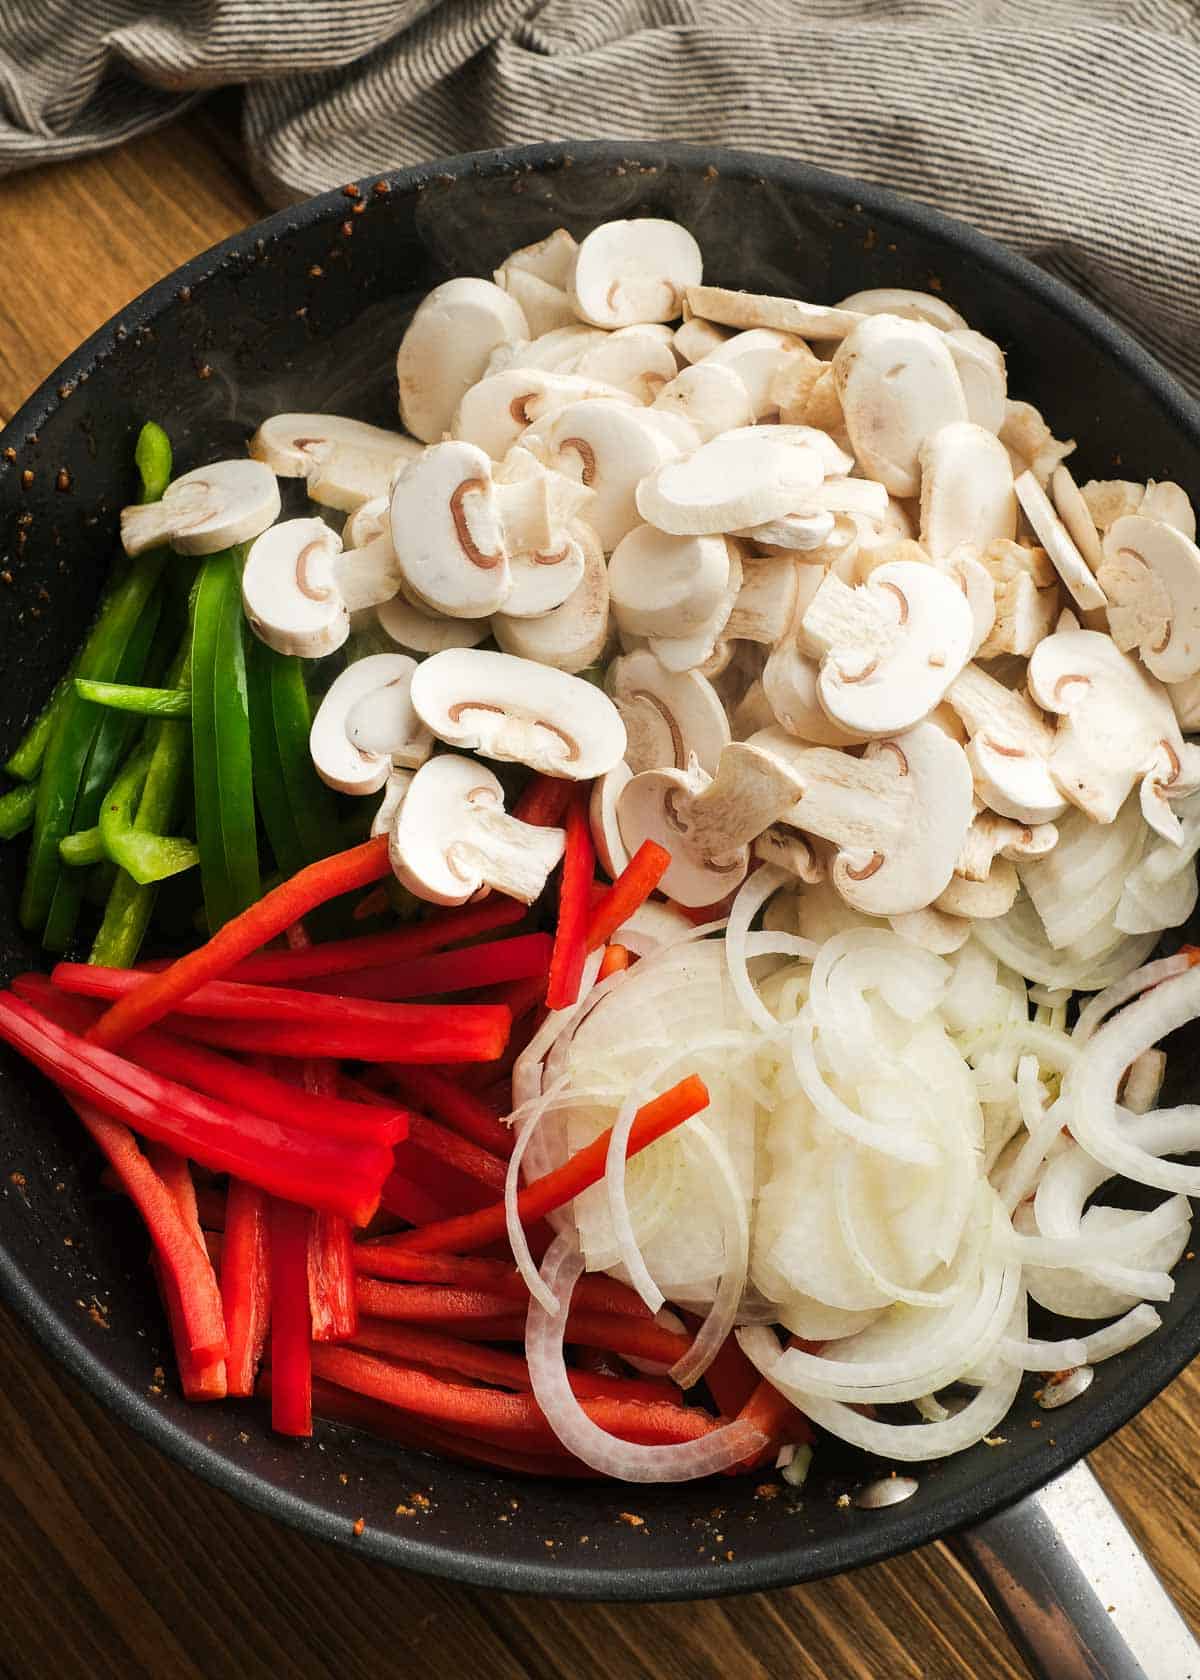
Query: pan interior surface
[[304, 312]]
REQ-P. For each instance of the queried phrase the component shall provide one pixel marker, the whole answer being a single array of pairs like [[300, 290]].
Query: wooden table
[[113, 1561]]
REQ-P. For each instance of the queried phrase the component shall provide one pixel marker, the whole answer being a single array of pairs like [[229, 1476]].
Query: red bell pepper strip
[[522, 997], [417, 1204], [449, 1354], [585, 1168], [291, 1365], [486, 1409], [332, 1301], [241, 935], [443, 1099], [616, 958], [523, 957], [245, 1283], [570, 934], [457, 1152], [731, 1378], [200, 1378], [433, 1032], [630, 890], [380, 1258], [318, 1171], [543, 801], [778, 1419]]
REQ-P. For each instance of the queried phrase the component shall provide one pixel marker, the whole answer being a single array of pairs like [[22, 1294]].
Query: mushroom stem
[[508, 855]]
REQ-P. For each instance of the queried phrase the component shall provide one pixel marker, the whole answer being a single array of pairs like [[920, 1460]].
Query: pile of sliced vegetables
[[776, 747]]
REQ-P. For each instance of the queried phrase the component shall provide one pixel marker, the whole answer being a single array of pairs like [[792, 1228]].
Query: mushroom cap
[[365, 725], [757, 356], [422, 631], [712, 398], [700, 646], [756, 309], [495, 412], [446, 348], [555, 351], [369, 520], [967, 493], [518, 711], [909, 305], [346, 462], [551, 259], [289, 589], [670, 717], [982, 374], [447, 534], [629, 272], [1010, 748], [543, 580], [695, 338], [451, 837], [544, 306], [205, 510], [661, 585], [602, 818], [574, 635], [1151, 576], [932, 930], [789, 683], [1109, 499], [983, 900], [735, 481], [898, 385], [611, 447], [654, 806], [1054, 537], [633, 359], [1170, 504]]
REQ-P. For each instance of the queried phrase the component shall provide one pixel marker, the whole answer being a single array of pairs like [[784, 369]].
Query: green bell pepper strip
[[132, 697], [83, 848], [298, 811], [30, 753], [16, 810], [145, 856], [153, 458], [221, 752]]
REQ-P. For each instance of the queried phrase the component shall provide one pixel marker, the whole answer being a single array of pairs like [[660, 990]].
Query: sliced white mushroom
[[551, 259], [1185, 697], [704, 646], [806, 393], [451, 837], [555, 351], [574, 635], [710, 397], [1025, 595], [911, 306], [394, 790], [753, 309], [421, 631], [990, 837], [495, 413], [890, 648], [1054, 537], [290, 590], [980, 901], [519, 711], [368, 521], [661, 585], [766, 603], [365, 725], [695, 338], [967, 493], [544, 579], [1170, 504], [740, 479], [1110, 499], [752, 713], [670, 717], [797, 534], [628, 272], [898, 385], [602, 818], [346, 462], [791, 676], [1116, 728], [611, 448], [1076, 516], [983, 376], [205, 510], [1010, 748], [1151, 575], [545, 307], [659, 805], [634, 359], [932, 930], [1030, 441], [446, 348], [788, 849], [757, 357], [963, 565]]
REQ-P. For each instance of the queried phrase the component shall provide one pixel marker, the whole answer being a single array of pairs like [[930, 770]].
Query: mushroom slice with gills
[[1009, 750], [451, 837], [910, 306], [661, 585], [740, 479], [346, 462], [573, 636], [898, 384], [1170, 504], [755, 309], [1054, 537], [980, 901], [1151, 576], [630, 272], [983, 376], [757, 357], [555, 351], [543, 579], [712, 398], [766, 602], [611, 448], [695, 338], [932, 930], [602, 818], [967, 491], [368, 521], [394, 790], [1076, 516], [633, 359], [365, 726], [670, 717], [519, 712], [290, 590], [789, 683], [495, 412], [1030, 441], [446, 348], [898, 815], [704, 645], [1116, 729], [659, 805], [810, 523], [416, 628], [205, 510], [890, 648], [788, 849], [990, 837]]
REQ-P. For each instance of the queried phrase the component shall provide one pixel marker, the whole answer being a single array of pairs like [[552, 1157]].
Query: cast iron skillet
[[304, 311]]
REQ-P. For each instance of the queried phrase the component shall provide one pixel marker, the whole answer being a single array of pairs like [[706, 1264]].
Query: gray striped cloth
[[1070, 129]]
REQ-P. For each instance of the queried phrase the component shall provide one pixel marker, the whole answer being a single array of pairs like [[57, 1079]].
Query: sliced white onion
[[1112, 997], [618, 1202], [527, 1120], [751, 896], [1111, 1339], [899, 1145], [721, 1449], [718, 1324]]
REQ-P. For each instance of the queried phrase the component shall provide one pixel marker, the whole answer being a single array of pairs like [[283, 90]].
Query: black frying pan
[[304, 311]]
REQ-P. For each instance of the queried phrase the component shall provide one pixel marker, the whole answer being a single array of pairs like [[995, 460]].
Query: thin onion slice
[[901, 1147], [1101, 1344], [1112, 997], [751, 896], [719, 1322]]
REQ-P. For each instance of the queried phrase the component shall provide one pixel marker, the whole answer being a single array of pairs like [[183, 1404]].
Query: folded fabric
[[1070, 129]]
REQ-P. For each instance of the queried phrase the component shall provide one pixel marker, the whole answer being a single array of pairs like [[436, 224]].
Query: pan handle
[[1074, 1590]]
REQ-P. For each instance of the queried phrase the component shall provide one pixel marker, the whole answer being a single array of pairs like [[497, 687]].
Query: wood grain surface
[[113, 1561]]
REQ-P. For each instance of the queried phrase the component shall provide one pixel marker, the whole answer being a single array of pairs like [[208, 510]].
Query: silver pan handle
[[1073, 1589]]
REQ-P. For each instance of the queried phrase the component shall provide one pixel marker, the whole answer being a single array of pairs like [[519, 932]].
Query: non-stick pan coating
[[304, 311]]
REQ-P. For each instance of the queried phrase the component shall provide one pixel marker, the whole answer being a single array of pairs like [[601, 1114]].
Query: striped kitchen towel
[[1068, 128]]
